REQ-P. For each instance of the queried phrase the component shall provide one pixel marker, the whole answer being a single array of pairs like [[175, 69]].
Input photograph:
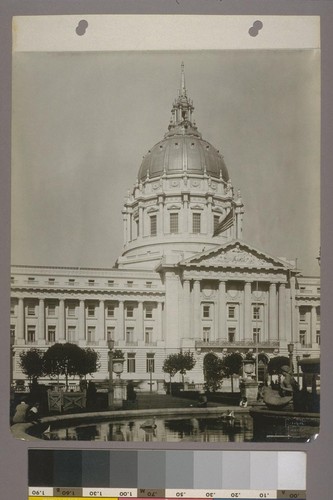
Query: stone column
[[247, 332], [293, 309], [196, 310], [140, 322], [186, 311], [282, 311], [159, 321], [20, 320], [313, 331], [82, 321], [222, 334], [41, 320], [141, 226], [272, 330], [101, 321], [120, 335], [62, 322]]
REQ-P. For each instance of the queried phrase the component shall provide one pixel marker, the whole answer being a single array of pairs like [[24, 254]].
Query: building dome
[[183, 149]]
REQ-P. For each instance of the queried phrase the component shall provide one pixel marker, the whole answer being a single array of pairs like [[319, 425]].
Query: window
[[302, 335], [31, 309], [131, 362], [231, 334], [130, 284], [71, 309], [216, 221], [318, 289], [148, 335], [71, 333], [318, 337], [12, 332], [302, 289], [31, 280], [110, 332], [196, 223], [153, 225], [51, 281], [31, 334], [12, 308], [231, 312], [256, 334], [148, 311], [91, 330], [174, 223], [110, 282], [129, 335], [110, 310], [71, 281], [206, 311], [12, 279], [51, 334], [256, 312], [129, 311], [206, 334], [91, 282], [51, 309], [318, 313], [149, 284], [150, 363], [137, 227], [302, 315], [91, 311]]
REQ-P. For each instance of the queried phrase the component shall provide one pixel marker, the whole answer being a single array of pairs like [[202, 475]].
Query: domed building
[[185, 281]]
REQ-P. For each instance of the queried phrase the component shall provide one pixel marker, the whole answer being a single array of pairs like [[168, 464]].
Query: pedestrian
[[33, 414], [20, 413]]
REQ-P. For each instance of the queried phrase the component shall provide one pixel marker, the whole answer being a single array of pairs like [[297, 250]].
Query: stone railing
[[237, 343]]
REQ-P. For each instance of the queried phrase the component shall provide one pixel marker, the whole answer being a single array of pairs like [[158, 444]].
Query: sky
[[83, 121]]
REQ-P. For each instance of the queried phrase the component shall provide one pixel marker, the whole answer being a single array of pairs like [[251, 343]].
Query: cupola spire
[[182, 81]]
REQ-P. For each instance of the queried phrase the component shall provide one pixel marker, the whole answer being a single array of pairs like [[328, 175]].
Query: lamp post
[[290, 353], [298, 358], [110, 355]]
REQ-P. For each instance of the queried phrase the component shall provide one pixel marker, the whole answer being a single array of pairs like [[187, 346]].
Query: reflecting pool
[[206, 430]]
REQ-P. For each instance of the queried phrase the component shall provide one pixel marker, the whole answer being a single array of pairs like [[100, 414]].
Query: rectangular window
[[318, 313], [216, 221], [91, 330], [231, 312], [196, 223], [71, 281], [150, 363], [130, 284], [318, 289], [206, 311], [110, 332], [148, 311], [302, 336], [12, 308], [51, 334], [12, 279], [31, 310], [256, 312], [129, 311], [110, 282], [153, 225], [51, 309], [51, 281], [148, 335], [91, 311], [174, 223], [137, 227], [110, 310], [129, 335], [91, 282], [256, 334], [149, 284], [71, 333], [71, 310], [231, 334], [302, 315], [31, 280], [12, 332], [131, 362], [318, 337], [31, 334], [206, 334]]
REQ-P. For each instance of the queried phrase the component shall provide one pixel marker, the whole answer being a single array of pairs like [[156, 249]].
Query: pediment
[[235, 255]]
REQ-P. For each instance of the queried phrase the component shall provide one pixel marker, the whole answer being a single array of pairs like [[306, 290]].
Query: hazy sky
[[83, 121]]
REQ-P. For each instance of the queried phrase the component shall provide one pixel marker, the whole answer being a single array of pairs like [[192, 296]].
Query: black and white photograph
[[165, 277]]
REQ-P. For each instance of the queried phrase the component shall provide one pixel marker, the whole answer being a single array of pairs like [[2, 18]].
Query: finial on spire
[[182, 84]]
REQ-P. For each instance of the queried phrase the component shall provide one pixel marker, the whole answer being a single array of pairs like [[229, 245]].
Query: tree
[[275, 364], [64, 359], [213, 372], [232, 364], [32, 364], [185, 362], [88, 363], [170, 366]]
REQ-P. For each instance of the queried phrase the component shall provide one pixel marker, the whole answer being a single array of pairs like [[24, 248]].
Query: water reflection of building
[[186, 280]]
